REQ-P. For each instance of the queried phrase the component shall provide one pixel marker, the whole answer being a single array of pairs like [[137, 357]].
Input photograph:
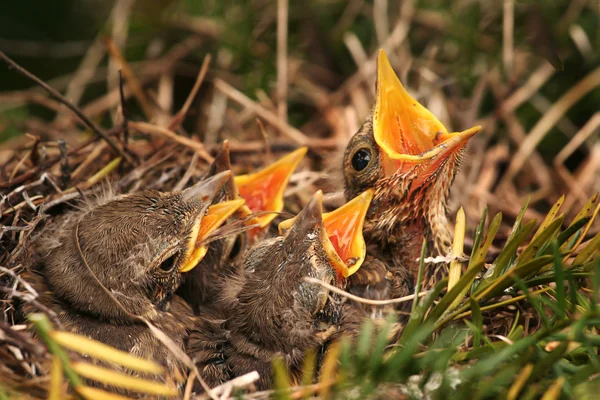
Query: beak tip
[[297, 155], [311, 215], [208, 188]]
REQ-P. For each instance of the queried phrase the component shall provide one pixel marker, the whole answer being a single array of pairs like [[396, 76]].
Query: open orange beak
[[263, 190], [343, 234], [205, 225], [408, 133]]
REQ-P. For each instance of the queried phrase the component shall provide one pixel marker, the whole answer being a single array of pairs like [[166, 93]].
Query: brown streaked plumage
[[408, 157], [202, 286], [268, 311], [119, 258]]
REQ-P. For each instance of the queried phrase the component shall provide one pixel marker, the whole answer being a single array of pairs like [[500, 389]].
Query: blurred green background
[[50, 38]]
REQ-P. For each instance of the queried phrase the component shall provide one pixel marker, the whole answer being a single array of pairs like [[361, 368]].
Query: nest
[[45, 172]]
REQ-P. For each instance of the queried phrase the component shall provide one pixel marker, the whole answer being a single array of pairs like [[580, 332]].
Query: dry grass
[[62, 159]]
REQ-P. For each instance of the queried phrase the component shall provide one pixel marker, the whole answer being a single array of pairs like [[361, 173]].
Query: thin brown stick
[[124, 112], [188, 173], [132, 81], [559, 108], [508, 25], [282, 62], [29, 96], [537, 79], [236, 383], [259, 145], [83, 74], [380, 19], [262, 112], [56, 95], [189, 386], [29, 297], [147, 71], [178, 118], [159, 130], [265, 137], [586, 131], [362, 299], [392, 42]]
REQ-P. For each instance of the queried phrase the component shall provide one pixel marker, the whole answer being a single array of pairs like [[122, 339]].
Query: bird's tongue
[[407, 132], [263, 190], [215, 216], [345, 245]]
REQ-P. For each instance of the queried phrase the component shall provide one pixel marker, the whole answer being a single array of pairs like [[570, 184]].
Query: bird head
[[229, 247], [134, 246], [405, 154], [262, 192], [338, 233], [272, 295]]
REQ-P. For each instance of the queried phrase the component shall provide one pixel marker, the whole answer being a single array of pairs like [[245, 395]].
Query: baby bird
[[108, 265], [262, 192], [269, 310], [409, 158]]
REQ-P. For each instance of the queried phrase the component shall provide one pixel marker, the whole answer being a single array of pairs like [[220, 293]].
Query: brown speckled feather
[[268, 311], [106, 265]]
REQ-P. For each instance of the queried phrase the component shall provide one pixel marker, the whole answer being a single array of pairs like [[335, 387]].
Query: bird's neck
[[400, 219]]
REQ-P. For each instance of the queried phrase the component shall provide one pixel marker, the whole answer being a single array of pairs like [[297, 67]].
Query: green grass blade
[[478, 234], [550, 359], [482, 250], [477, 322], [587, 228], [363, 347], [519, 382], [508, 279], [398, 362], [547, 278], [588, 251], [516, 332], [376, 354], [596, 287], [486, 366], [565, 236], [417, 316], [457, 248], [549, 217], [586, 212], [518, 220], [541, 238], [560, 281], [282, 380], [479, 352], [444, 305], [535, 302], [502, 262]]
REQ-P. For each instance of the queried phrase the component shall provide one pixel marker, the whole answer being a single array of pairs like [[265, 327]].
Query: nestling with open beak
[[262, 193], [106, 265], [410, 159], [269, 310]]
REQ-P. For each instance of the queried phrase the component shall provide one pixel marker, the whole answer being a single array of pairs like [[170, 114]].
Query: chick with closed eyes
[[269, 310], [262, 192], [105, 267]]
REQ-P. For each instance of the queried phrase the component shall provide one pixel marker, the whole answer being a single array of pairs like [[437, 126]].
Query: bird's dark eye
[[237, 247], [168, 264], [361, 159]]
